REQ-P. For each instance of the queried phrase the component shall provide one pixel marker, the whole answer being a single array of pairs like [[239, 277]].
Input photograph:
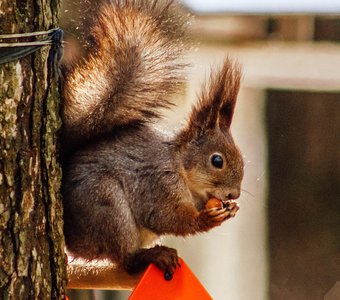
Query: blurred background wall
[[285, 241]]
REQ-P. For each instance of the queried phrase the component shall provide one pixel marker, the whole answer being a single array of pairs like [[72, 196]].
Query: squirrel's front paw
[[232, 207], [212, 217]]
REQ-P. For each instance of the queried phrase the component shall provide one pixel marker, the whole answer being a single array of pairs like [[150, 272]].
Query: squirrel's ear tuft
[[216, 104], [221, 95], [218, 98]]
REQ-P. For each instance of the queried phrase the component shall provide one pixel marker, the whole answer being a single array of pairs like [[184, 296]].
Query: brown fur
[[136, 58], [216, 104], [128, 183]]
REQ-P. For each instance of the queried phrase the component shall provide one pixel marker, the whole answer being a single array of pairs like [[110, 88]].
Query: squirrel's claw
[[167, 260], [233, 208]]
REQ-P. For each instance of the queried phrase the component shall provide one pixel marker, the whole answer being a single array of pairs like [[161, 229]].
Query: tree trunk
[[32, 259]]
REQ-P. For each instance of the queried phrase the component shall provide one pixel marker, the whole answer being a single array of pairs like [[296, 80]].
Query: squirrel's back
[[131, 71]]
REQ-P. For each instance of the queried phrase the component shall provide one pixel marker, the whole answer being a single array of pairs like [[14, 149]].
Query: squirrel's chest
[[147, 237]]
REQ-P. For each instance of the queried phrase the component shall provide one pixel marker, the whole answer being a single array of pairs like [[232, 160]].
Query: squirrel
[[124, 182]]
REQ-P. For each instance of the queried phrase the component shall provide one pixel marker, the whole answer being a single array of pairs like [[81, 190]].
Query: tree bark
[[32, 259]]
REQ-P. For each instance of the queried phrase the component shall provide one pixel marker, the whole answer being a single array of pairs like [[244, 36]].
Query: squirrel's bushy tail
[[130, 73]]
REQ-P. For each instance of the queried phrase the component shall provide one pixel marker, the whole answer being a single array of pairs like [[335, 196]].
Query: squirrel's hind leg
[[98, 220], [163, 257]]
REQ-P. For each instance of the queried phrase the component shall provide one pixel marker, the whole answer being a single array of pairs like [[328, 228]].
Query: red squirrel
[[125, 183]]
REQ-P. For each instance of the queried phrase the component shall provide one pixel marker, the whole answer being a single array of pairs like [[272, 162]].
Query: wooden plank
[[100, 275]]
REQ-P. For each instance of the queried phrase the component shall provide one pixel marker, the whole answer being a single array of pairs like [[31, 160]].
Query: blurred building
[[285, 242]]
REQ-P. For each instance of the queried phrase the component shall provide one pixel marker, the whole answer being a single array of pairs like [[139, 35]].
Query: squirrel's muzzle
[[233, 193]]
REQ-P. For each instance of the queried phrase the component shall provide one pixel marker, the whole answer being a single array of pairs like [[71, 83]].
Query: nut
[[213, 203]]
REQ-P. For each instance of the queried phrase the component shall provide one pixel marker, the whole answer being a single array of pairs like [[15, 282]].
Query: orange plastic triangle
[[183, 286]]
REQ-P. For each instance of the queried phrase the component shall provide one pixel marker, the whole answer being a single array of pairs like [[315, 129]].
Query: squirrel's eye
[[217, 161]]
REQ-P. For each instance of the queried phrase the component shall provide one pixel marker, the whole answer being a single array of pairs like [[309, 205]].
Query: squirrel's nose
[[233, 193]]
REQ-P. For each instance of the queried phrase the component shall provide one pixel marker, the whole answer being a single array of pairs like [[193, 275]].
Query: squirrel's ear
[[218, 98], [216, 103], [223, 90]]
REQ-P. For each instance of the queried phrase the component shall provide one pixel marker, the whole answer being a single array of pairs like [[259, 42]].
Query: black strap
[[13, 51]]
